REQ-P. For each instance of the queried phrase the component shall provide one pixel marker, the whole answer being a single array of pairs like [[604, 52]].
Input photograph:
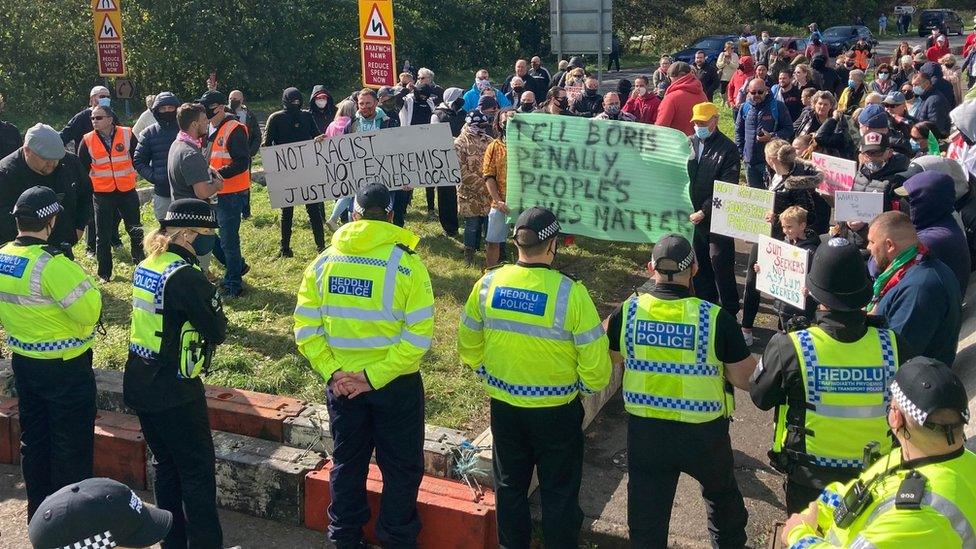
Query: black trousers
[[658, 451], [90, 240], [57, 423], [430, 192], [750, 295], [316, 218], [401, 200], [614, 58], [391, 421], [447, 209], [551, 440], [799, 496], [109, 207], [183, 458], [715, 281]]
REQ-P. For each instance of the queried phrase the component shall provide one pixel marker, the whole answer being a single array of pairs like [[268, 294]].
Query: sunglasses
[[97, 118], [757, 93]]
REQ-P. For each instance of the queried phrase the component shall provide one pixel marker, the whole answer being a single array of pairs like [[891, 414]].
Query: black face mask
[[590, 92], [527, 107], [213, 112], [563, 102], [166, 118], [518, 89], [235, 104]]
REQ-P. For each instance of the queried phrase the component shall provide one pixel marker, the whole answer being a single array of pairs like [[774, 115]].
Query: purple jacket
[[931, 196]]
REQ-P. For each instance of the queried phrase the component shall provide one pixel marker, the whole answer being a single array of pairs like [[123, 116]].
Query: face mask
[[702, 132], [851, 84], [203, 244], [321, 103], [563, 102], [235, 104], [882, 76], [213, 112], [613, 110], [849, 64], [166, 118], [292, 107], [918, 90], [767, 40], [872, 166], [642, 91], [527, 107], [518, 89], [481, 83], [915, 146], [104, 101], [590, 92]]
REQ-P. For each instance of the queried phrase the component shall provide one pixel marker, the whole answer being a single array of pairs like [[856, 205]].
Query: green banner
[[604, 179]]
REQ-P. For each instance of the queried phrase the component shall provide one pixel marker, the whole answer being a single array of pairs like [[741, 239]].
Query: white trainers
[[747, 335]]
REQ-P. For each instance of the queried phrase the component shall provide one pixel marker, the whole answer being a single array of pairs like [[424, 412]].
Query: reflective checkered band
[[160, 289], [49, 210], [144, 352], [906, 405], [671, 368], [805, 542], [95, 542], [829, 498], [177, 216], [809, 352], [888, 361], [836, 462], [704, 326], [356, 260], [673, 403], [549, 231], [527, 390], [47, 346]]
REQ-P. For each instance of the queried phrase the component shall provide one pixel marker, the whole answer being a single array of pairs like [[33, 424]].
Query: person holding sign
[[681, 355], [364, 320], [714, 158], [793, 220], [880, 169], [828, 382], [534, 335], [495, 171]]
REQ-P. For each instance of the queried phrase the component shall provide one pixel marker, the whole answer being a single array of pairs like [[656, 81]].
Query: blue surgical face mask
[[851, 84], [882, 76], [613, 110], [915, 146], [702, 132], [104, 101], [918, 90], [203, 244]]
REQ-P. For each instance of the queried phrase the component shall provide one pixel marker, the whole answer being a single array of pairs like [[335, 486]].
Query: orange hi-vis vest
[[111, 170], [220, 157]]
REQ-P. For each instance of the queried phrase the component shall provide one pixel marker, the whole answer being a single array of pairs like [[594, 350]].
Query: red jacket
[[970, 43], [644, 108], [682, 95], [935, 53], [741, 77]]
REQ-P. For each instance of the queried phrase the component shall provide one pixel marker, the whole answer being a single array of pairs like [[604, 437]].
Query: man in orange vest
[[227, 147], [106, 155]]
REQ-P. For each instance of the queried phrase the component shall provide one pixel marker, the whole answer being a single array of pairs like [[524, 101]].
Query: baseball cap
[[703, 112], [920, 58], [211, 97], [99, 90], [373, 196], [189, 212], [894, 98], [873, 116], [874, 141], [540, 221], [97, 512], [672, 254], [44, 141], [384, 90], [37, 203], [924, 385]]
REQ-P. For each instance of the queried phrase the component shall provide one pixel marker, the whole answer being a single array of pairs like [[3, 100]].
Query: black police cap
[[189, 212], [924, 385], [540, 221], [38, 203], [373, 196]]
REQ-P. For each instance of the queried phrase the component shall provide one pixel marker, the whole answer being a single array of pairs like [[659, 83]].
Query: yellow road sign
[[107, 21], [377, 45]]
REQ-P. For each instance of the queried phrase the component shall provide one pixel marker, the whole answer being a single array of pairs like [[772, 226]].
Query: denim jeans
[[474, 231], [341, 206], [229, 208], [756, 175]]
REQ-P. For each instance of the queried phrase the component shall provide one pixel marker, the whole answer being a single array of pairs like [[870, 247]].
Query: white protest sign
[[740, 211], [782, 271], [310, 171], [838, 172], [857, 206]]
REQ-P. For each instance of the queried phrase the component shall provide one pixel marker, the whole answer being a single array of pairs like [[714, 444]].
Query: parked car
[[839, 39], [947, 21], [712, 45]]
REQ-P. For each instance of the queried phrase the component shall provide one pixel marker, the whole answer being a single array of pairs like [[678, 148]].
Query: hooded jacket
[[962, 149], [418, 107], [471, 98], [799, 188], [931, 196], [831, 80], [321, 117], [675, 109], [643, 107], [451, 111], [935, 109], [588, 104], [152, 152], [291, 124], [379, 121], [741, 76]]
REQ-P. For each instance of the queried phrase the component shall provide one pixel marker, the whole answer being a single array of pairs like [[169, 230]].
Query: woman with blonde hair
[[951, 73], [794, 183], [177, 323]]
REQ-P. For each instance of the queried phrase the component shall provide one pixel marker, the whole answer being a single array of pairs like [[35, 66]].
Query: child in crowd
[[794, 223]]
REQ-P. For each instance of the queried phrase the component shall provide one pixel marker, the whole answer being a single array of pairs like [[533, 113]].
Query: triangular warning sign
[[375, 26], [106, 5], [108, 32]]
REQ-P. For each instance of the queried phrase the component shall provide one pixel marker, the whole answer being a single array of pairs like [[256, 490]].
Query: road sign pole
[[559, 32]]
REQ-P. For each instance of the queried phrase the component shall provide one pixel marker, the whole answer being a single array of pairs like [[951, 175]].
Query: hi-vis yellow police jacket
[[366, 304], [534, 336]]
